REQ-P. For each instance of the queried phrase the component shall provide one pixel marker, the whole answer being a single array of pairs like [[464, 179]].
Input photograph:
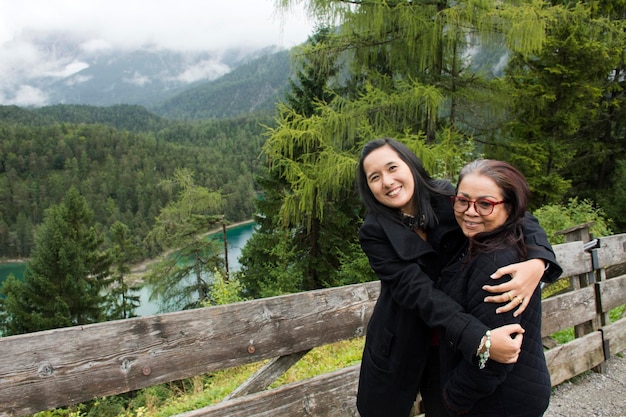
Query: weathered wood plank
[[306, 397], [265, 376], [612, 293], [332, 394], [575, 357], [567, 310], [60, 367], [615, 333], [612, 250], [573, 259]]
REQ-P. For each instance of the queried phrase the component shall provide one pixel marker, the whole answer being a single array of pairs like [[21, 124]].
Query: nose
[[471, 210], [387, 180]]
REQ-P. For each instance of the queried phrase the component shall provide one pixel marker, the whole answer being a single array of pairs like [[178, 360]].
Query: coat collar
[[405, 242]]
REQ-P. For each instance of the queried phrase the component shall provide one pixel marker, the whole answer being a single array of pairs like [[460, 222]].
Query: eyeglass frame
[[493, 204]]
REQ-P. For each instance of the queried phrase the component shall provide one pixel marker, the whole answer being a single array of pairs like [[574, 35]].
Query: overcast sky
[[175, 24], [95, 25]]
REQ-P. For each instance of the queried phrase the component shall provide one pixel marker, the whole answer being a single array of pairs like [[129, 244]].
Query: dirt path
[[592, 394]]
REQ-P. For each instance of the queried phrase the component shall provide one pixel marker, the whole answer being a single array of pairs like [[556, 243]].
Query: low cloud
[[78, 79], [138, 79], [95, 45], [182, 25], [27, 95], [204, 70], [66, 70]]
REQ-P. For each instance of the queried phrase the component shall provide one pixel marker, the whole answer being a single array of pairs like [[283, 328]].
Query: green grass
[[213, 388], [567, 335], [322, 360], [617, 313], [555, 288], [563, 336]]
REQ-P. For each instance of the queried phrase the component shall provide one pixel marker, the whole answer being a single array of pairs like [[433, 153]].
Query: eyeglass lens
[[482, 207]]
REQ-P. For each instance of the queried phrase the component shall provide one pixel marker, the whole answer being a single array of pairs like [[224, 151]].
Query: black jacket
[[399, 331], [518, 390]]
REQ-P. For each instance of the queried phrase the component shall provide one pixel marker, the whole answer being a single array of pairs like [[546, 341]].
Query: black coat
[[399, 332], [518, 390]]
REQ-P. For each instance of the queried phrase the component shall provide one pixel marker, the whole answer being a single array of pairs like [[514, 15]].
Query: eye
[[484, 204], [373, 177], [459, 203], [392, 167]]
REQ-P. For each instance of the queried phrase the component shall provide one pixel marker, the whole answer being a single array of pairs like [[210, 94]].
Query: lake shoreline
[[141, 267], [137, 270], [237, 235]]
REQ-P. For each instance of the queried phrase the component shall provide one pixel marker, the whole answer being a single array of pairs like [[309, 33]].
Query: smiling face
[[474, 187], [389, 179]]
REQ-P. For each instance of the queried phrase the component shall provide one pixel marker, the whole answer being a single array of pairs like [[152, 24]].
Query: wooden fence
[[60, 367]]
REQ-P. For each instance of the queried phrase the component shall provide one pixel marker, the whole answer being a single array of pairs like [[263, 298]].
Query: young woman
[[489, 206], [409, 234]]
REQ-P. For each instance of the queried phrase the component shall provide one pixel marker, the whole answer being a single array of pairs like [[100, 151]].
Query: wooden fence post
[[572, 234], [581, 232]]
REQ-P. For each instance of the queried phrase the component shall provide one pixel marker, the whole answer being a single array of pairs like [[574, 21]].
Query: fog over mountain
[[73, 71], [111, 51]]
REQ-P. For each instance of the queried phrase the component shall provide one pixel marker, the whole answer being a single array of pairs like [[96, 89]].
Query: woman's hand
[[506, 343], [517, 292]]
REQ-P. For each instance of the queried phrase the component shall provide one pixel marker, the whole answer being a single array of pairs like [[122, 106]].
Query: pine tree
[[398, 68], [122, 303], [182, 278], [66, 277], [567, 131], [302, 230], [410, 59]]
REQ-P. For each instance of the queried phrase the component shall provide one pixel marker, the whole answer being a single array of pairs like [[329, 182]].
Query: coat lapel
[[406, 243]]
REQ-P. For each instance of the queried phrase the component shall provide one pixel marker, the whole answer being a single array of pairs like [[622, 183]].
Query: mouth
[[394, 192], [471, 224]]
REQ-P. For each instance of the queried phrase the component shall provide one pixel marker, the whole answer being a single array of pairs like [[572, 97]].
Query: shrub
[[556, 217]]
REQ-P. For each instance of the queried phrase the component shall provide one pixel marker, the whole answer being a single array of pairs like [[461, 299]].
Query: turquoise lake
[[236, 238]]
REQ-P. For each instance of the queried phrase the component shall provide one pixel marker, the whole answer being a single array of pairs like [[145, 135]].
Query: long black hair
[[425, 185]]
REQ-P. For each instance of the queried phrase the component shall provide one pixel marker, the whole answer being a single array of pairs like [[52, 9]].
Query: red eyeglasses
[[482, 206]]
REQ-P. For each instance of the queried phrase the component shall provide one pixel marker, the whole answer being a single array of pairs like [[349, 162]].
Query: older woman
[[489, 206]]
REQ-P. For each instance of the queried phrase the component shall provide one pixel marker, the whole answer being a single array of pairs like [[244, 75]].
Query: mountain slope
[[132, 118], [250, 88]]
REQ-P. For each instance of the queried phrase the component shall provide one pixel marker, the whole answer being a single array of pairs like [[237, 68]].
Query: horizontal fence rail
[[61, 367], [48, 369]]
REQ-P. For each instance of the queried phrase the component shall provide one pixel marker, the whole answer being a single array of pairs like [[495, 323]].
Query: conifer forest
[[87, 191]]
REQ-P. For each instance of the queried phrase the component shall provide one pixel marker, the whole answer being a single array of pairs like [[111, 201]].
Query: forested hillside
[[253, 87], [116, 157], [122, 116]]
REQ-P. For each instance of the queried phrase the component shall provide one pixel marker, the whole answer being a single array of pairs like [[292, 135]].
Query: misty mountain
[[254, 87], [65, 70], [144, 77]]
